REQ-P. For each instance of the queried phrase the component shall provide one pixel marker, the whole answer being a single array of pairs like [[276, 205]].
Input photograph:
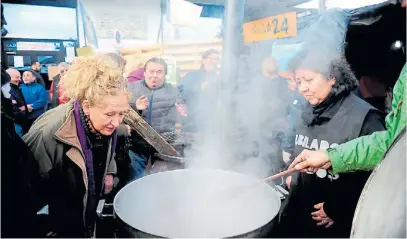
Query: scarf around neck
[[86, 148], [325, 111]]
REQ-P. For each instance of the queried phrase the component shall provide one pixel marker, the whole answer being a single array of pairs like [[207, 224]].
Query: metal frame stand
[[232, 40]]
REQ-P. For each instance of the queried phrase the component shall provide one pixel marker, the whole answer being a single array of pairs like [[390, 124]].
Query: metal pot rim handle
[[169, 158], [99, 210]]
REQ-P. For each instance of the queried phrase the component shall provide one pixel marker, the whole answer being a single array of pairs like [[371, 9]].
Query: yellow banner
[[85, 51], [280, 26]]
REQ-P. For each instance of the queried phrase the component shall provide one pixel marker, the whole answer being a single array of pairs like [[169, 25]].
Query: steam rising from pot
[[256, 115]]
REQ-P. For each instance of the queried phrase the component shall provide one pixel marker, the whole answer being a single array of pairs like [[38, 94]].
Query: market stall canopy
[[257, 9], [308, 20], [339, 28]]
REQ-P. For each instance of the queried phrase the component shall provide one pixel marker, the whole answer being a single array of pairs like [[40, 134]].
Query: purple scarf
[[86, 150]]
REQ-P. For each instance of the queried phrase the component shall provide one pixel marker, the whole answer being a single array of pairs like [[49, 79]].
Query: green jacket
[[365, 152]]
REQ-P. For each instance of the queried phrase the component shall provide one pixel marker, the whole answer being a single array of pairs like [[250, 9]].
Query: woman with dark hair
[[322, 204]]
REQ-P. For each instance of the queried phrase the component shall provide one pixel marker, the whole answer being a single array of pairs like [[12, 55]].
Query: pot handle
[[282, 192], [102, 205]]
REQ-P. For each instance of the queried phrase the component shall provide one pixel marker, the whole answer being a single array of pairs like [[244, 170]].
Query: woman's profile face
[[108, 115], [314, 86]]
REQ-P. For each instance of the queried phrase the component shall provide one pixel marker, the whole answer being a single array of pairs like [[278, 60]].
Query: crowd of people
[[71, 148]]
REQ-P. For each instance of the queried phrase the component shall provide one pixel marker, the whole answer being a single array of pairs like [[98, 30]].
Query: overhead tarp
[[367, 15], [322, 31], [312, 19], [258, 9]]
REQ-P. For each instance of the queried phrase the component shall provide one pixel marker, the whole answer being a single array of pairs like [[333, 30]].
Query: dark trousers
[[138, 163]]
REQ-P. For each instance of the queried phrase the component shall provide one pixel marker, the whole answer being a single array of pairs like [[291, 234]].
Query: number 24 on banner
[[280, 26]]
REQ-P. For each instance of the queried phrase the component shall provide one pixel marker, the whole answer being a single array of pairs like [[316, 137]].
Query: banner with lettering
[[280, 26], [38, 46]]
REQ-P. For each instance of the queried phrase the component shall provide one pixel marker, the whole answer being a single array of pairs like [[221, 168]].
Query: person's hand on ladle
[[311, 161], [321, 217], [288, 182]]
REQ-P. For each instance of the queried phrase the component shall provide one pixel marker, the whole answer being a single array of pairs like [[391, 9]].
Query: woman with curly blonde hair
[[74, 145]]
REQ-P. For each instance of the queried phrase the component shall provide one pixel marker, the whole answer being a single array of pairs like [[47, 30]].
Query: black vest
[[344, 126], [310, 189]]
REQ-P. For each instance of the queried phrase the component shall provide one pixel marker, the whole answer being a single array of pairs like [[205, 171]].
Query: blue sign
[[11, 46], [117, 37]]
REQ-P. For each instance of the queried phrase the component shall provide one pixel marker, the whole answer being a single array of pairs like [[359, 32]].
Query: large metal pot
[[183, 203], [381, 211]]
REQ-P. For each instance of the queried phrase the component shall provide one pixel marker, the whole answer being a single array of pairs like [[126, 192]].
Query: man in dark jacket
[[193, 85], [373, 91], [36, 69], [195, 80], [20, 109], [157, 103]]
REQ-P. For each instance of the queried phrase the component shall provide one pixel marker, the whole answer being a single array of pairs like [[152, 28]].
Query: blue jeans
[[138, 165], [44, 210]]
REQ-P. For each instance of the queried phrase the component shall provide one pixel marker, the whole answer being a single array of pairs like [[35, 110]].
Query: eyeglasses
[[152, 72]]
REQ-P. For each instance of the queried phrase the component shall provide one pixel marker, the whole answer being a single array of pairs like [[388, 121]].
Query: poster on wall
[[18, 61], [131, 25]]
